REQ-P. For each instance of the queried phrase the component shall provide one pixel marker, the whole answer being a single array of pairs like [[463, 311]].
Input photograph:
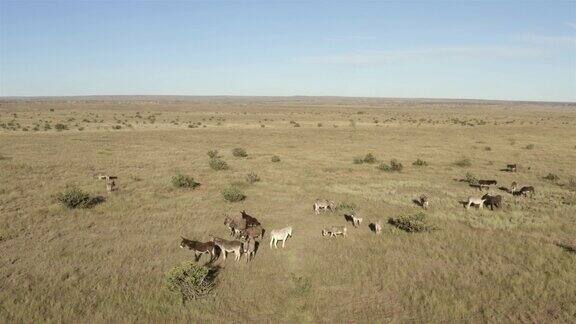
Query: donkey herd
[[247, 231]]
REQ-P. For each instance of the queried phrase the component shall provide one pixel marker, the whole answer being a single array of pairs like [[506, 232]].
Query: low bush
[[552, 177], [60, 127], [419, 162], [471, 179], [463, 163], [73, 197], [411, 224], [396, 165], [233, 194], [190, 281], [369, 158], [213, 154], [275, 158], [384, 167], [218, 164], [252, 177], [183, 181], [346, 206], [239, 152]]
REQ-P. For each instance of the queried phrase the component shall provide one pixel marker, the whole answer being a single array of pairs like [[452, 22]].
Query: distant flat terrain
[[109, 263]]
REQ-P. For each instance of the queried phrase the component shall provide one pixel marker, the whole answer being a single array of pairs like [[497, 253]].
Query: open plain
[[109, 262]]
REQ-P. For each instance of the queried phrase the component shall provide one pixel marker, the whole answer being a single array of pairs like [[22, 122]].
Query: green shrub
[[384, 167], [552, 177], [463, 163], [233, 194], [252, 177], [190, 281], [419, 162], [346, 206], [74, 197], [239, 152], [218, 164], [411, 224], [60, 127], [213, 154], [369, 158], [275, 158], [183, 181], [471, 179], [396, 165]]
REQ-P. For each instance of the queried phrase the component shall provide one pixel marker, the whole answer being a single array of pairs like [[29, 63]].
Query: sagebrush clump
[[190, 281], [233, 194], [419, 162], [73, 197], [213, 154], [369, 158], [412, 223], [239, 152], [252, 177], [218, 164], [275, 158], [183, 181]]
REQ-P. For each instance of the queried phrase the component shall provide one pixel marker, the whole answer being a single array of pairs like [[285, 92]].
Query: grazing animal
[[235, 225], [492, 201], [334, 230], [199, 248], [250, 221], [475, 201], [486, 184], [250, 249], [280, 235], [512, 167], [111, 186], [106, 177], [424, 201], [228, 246], [356, 221], [323, 204], [252, 232]]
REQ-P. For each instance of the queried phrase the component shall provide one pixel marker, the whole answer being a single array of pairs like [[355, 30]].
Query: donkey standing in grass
[[199, 248], [250, 249], [226, 246], [475, 201], [280, 235], [323, 204]]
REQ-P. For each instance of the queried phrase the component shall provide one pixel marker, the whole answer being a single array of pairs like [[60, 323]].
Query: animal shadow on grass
[[348, 218], [94, 201], [372, 227], [463, 203], [505, 189]]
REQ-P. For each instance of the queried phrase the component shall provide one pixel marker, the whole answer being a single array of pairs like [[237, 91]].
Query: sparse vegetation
[[239, 152], [218, 164], [252, 177], [73, 197], [464, 163], [412, 224], [275, 158], [213, 154], [183, 181], [529, 146], [471, 179], [552, 177], [233, 194], [60, 127], [369, 158], [419, 162], [190, 281]]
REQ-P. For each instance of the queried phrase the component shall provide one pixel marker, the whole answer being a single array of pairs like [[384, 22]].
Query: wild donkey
[[334, 230], [356, 221], [250, 249], [252, 232], [280, 235], [250, 221], [424, 201], [235, 225], [226, 246], [522, 191], [199, 248], [475, 201], [377, 228], [323, 204], [493, 201]]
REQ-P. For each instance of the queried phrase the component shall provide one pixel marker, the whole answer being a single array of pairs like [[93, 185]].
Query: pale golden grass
[[108, 263]]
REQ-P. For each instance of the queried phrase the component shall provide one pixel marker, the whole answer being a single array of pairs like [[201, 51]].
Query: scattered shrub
[[213, 154], [529, 146], [190, 281], [411, 224], [369, 158], [60, 127], [552, 177], [74, 197], [302, 285], [275, 158], [463, 163], [346, 206], [239, 152], [183, 181], [233, 194], [396, 165], [252, 177], [218, 164], [116, 127], [384, 167], [571, 185], [420, 162], [471, 179]]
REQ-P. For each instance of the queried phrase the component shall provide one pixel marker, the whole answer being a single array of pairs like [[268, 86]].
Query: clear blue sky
[[490, 49]]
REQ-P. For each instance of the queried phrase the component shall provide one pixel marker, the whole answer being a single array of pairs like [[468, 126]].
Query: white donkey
[[475, 201], [280, 235]]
